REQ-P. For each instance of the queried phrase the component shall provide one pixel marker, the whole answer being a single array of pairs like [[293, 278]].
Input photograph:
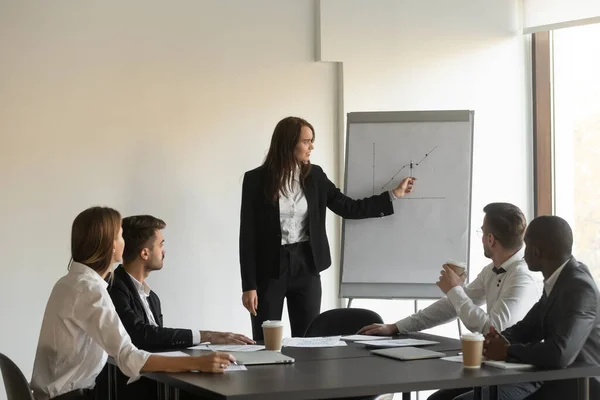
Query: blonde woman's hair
[[93, 235]]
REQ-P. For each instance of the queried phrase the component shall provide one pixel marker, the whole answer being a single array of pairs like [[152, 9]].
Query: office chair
[[17, 387], [342, 321]]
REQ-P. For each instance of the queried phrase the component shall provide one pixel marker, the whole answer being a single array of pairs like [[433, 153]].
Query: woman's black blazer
[[260, 228]]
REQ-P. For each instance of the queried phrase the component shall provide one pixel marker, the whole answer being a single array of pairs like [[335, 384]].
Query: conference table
[[353, 371]]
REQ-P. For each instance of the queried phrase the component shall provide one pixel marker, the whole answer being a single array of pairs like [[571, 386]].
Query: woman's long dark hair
[[281, 163]]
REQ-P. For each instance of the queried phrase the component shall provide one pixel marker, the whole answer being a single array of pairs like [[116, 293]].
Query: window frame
[[543, 160]]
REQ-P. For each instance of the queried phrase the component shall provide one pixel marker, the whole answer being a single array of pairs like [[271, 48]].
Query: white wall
[[150, 107], [467, 54], [160, 108], [540, 15]]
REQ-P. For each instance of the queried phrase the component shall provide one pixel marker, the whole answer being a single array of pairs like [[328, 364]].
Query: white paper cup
[[457, 266], [472, 349], [273, 334]]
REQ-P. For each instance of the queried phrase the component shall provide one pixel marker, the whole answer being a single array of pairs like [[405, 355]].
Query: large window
[[574, 145]]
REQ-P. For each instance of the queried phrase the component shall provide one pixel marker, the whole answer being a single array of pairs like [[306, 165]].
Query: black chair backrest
[[342, 321], [17, 387]]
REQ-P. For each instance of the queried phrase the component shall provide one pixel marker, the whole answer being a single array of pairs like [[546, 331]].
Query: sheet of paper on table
[[354, 338], [328, 341], [397, 342], [228, 347]]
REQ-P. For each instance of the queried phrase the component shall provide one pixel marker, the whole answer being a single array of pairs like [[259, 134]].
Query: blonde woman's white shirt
[[80, 329]]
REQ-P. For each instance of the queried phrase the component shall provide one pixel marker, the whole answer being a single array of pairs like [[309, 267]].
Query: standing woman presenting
[[283, 243]]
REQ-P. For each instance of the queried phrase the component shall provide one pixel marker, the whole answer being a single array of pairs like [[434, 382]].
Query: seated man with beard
[[139, 307]]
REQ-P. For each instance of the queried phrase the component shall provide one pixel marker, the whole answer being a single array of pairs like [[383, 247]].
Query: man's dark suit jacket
[[568, 322], [131, 311], [260, 226], [143, 335]]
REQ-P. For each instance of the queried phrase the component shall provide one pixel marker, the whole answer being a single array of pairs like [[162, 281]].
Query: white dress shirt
[[79, 328], [508, 297], [293, 213], [144, 290], [551, 281]]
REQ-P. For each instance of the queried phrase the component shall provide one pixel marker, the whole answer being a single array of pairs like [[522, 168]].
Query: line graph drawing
[[373, 168], [412, 166]]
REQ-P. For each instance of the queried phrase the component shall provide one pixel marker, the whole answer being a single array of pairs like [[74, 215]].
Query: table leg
[[583, 388], [494, 392], [477, 393], [167, 391], [112, 382], [406, 396], [160, 391], [171, 393]]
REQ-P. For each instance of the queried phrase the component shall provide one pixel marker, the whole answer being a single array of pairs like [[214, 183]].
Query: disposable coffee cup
[[458, 267], [472, 349], [273, 334]]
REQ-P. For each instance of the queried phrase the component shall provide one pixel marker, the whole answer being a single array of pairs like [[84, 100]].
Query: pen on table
[[213, 350]]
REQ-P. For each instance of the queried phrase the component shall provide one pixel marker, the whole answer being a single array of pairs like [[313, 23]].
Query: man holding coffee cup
[[459, 268], [505, 285]]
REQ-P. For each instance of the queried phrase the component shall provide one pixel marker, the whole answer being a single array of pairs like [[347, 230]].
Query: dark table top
[[353, 350], [357, 377], [352, 370]]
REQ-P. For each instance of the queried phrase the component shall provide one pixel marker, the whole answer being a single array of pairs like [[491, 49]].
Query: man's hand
[[492, 334], [448, 279], [495, 346], [405, 187], [250, 301], [462, 273], [379, 330], [224, 338]]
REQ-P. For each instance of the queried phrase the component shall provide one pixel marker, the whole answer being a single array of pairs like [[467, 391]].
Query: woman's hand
[[405, 187], [250, 301], [214, 362]]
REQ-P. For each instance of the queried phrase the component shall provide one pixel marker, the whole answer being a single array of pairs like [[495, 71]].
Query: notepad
[[235, 367], [458, 359], [506, 365], [491, 363], [328, 341]]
